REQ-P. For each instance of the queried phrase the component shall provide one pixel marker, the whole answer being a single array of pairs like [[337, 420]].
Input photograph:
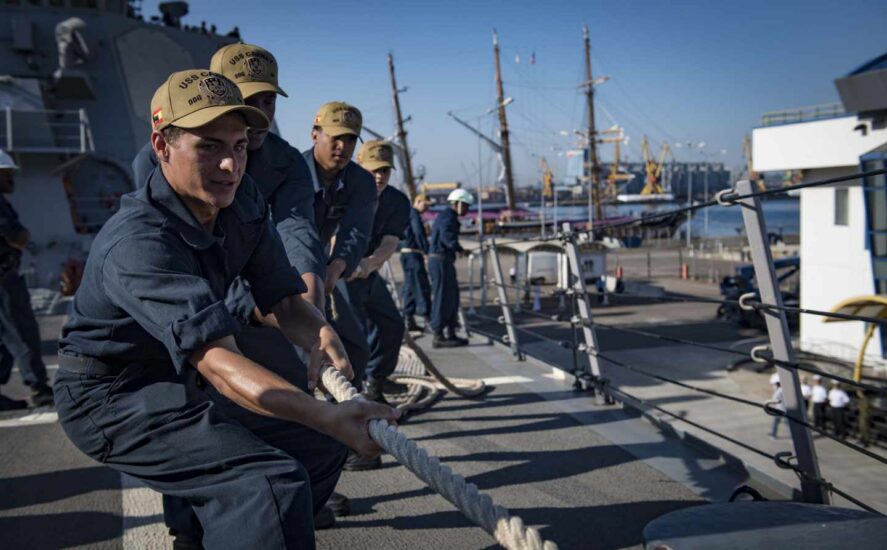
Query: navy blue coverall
[[282, 176], [19, 332], [154, 291], [370, 296], [345, 211], [442, 267], [416, 288]]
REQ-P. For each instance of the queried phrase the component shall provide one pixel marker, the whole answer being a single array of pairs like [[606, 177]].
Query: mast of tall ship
[[503, 129], [592, 167], [402, 134]]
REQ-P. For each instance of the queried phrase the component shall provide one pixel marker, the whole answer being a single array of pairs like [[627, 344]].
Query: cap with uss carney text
[[193, 98], [252, 68], [376, 154], [337, 118]]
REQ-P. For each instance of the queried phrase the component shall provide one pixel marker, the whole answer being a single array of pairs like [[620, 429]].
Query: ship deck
[[577, 471]]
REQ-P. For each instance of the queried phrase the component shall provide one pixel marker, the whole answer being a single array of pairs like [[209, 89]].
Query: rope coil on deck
[[509, 531]]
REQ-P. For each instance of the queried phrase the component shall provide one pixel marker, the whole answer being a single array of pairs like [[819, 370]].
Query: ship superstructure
[[76, 79]]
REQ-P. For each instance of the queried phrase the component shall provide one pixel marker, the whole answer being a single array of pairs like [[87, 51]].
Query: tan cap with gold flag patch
[[337, 118], [190, 99]]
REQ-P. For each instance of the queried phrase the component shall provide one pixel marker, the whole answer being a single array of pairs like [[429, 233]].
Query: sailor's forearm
[[383, 252], [255, 388]]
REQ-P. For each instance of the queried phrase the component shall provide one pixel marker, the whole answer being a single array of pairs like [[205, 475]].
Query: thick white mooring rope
[[509, 531]]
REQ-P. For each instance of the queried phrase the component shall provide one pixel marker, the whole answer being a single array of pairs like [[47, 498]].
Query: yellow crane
[[753, 176], [547, 178], [653, 168], [615, 177]]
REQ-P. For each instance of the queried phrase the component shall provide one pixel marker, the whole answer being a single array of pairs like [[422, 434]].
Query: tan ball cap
[[193, 98], [337, 118], [252, 68], [376, 154]]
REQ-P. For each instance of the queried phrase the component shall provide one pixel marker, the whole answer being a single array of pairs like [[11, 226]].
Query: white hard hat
[[6, 161], [460, 195]]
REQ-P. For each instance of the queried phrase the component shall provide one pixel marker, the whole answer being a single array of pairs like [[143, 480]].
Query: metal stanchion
[[593, 380], [471, 310], [502, 291], [780, 343], [392, 285]]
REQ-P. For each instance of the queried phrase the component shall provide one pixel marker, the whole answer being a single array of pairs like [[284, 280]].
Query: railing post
[[780, 343], [9, 143], [594, 381], [471, 310], [81, 113], [392, 285], [503, 302]]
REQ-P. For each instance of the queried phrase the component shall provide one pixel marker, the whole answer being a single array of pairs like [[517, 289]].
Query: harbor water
[[783, 216]]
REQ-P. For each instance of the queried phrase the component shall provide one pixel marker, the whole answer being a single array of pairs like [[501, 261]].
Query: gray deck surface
[[532, 443]]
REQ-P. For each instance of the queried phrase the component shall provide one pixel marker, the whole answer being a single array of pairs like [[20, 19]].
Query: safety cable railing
[[877, 390], [769, 410], [767, 302], [777, 459], [745, 301]]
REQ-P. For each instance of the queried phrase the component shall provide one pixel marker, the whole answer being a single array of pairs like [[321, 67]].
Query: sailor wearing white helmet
[[19, 334], [442, 268]]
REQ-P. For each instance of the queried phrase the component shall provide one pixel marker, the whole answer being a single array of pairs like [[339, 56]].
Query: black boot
[[412, 325], [358, 463], [339, 504], [41, 395], [394, 388], [372, 390], [441, 341], [451, 336], [7, 404], [324, 519]]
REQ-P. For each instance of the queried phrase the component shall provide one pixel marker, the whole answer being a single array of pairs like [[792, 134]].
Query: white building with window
[[843, 226]]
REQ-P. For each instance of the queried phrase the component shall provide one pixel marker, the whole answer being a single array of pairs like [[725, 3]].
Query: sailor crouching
[[150, 332]]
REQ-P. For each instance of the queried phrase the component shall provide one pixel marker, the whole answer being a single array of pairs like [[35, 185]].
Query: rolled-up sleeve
[[157, 281], [356, 226], [270, 276], [293, 211], [396, 223]]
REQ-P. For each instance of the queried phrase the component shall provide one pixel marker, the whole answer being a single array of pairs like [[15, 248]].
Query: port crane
[[615, 177], [653, 168]]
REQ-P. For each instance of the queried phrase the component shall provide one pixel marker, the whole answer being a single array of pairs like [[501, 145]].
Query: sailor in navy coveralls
[[442, 267], [413, 249], [151, 337], [374, 304]]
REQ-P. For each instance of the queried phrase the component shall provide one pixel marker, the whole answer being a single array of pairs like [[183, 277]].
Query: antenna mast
[[503, 129], [402, 134]]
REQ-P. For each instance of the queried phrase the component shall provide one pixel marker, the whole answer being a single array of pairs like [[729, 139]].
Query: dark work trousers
[[444, 293], [269, 348], [341, 315], [819, 414], [839, 421], [382, 322], [416, 288], [167, 431], [19, 333]]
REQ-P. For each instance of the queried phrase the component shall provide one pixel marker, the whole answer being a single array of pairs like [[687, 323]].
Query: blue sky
[[700, 71]]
